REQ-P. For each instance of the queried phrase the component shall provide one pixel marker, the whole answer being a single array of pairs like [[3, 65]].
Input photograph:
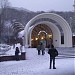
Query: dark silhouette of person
[[39, 48], [53, 53], [17, 53], [43, 49]]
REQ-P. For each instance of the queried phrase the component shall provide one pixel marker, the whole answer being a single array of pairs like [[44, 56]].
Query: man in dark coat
[[17, 54], [53, 53]]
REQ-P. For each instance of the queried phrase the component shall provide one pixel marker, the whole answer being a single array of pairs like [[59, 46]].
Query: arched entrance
[[46, 17], [54, 31], [41, 33]]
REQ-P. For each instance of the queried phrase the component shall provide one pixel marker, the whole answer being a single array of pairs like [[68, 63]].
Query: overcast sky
[[44, 5]]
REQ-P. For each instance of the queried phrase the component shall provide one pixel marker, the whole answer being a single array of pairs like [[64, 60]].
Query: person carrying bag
[[53, 53]]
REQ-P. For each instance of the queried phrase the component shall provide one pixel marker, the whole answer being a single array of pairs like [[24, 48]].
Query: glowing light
[[49, 36], [36, 38], [41, 32], [42, 37]]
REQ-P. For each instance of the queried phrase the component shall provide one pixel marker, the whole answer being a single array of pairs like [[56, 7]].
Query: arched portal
[[54, 29], [56, 35], [41, 33]]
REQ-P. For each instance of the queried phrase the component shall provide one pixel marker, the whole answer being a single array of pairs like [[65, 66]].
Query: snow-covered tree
[[3, 5]]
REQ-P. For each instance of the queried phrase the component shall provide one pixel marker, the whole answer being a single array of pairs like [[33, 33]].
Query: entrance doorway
[[41, 33]]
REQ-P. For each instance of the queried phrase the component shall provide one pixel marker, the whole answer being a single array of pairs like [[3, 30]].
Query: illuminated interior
[[41, 33]]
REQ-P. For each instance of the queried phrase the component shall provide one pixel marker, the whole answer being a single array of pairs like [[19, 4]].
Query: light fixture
[[42, 38], [50, 36], [36, 38]]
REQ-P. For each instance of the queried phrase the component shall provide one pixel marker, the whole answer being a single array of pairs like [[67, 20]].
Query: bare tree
[[3, 5]]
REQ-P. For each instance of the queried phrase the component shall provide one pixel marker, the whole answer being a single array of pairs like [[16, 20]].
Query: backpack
[[56, 53]]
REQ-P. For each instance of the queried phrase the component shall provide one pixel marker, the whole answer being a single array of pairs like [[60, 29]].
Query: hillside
[[23, 16]]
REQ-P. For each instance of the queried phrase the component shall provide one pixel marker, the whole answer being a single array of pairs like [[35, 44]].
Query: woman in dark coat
[[53, 53], [17, 53]]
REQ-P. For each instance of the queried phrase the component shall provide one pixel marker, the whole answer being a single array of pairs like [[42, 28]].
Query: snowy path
[[38, 65]]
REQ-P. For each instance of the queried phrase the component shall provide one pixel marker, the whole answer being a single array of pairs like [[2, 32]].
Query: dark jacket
[[17, 51], [53, 52], [39, 47], [42, 47]]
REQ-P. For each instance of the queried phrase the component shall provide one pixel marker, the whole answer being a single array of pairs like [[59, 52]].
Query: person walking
[[39, 48], [17, 53], [53, 53]]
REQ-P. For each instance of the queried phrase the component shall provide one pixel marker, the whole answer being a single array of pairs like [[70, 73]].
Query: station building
[[47, 28]]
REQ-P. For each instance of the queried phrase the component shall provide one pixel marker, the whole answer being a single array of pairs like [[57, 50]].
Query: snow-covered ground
[[39, 64]]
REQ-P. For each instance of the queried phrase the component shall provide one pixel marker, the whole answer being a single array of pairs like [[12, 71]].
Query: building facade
[[47, 27]]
